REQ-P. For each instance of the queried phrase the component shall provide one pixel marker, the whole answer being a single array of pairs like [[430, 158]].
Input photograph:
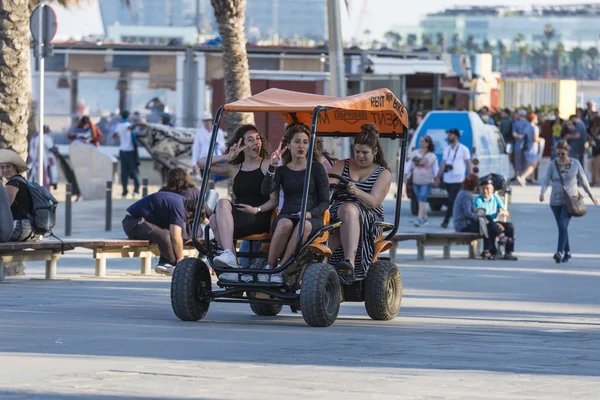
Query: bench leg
[[146, 264], [447, 251], [100, 265], [420, 251], [1, 269], [51, 265], [473, 249], [393, 252]]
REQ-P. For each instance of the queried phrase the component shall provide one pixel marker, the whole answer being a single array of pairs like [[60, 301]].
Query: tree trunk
[[14, 68], [231, 16]]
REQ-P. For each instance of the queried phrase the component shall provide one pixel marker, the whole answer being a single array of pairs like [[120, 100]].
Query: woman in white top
[[424, 166], [532, 153]]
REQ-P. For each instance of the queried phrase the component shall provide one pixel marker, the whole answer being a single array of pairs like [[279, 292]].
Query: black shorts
[[316, 223]]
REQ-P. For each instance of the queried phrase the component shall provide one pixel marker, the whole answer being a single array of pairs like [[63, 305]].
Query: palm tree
[[576, 56], [558, 52], [426, 40], [392, 39], [411, 39], [14, 71], [549, 32], [470, 45], [231, 16], [487, 46], [504, 53], [524, 52], [456, 45]]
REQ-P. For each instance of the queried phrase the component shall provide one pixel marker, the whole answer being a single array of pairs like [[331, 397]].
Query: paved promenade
[[467, 329]]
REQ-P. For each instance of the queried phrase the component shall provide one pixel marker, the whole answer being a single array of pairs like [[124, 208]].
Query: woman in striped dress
[[360, 205]]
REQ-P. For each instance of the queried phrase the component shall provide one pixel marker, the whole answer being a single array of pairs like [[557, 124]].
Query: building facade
[[574, 25]]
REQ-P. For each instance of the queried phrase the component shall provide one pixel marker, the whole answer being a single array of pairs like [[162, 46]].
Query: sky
[[380, 15]]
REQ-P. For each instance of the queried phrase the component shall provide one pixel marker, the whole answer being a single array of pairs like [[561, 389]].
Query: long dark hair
[[430, 145], [369, 136], [290, 131], [178, 181], [239, 134], [330, 159]]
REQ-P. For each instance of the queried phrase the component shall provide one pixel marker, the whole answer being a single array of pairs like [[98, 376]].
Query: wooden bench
[[103, 249], [445, 239]]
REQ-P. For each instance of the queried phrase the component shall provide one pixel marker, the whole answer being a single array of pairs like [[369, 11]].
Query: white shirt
[[457, 157], [202, 143], [125, 138]]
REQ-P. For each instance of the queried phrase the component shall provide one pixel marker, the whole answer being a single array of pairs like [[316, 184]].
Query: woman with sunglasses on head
[[571, 172], [424, 167]]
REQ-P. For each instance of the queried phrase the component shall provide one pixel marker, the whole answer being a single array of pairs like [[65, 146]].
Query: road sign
[[49, 23]]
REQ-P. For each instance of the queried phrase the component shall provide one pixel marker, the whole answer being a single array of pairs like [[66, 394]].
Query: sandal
[[486, 255]]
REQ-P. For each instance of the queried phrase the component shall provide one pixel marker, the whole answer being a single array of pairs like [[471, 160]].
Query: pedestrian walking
[[532, 153], [594, 137], [557, 130], [128, 155], [456, 163], [562, 175], [424, 166], [577, 138], [522, 131], [50, 162]]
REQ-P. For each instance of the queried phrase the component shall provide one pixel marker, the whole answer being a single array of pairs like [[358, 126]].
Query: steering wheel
[[337, 187]]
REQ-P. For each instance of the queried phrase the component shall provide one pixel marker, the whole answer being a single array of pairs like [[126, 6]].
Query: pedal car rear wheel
[[320, 295], [266, 310], [190, 286], [383, 290]]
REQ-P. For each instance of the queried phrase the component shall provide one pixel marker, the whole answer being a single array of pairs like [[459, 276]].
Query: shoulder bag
[[575, 204]]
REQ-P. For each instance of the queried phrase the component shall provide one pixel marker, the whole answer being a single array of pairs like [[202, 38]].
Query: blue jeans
[[422, 192], [561, 214], [246, 247]]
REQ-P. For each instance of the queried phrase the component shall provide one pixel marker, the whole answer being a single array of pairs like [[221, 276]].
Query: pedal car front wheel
[[190, 287], [320, 295]]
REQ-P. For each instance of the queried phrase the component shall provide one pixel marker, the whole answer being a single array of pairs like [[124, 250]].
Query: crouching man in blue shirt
[[494, 207], [161, 218]]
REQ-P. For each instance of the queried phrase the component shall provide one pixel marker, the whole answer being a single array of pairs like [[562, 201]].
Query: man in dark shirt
[[161, 218], [506, 126], [577, 139]]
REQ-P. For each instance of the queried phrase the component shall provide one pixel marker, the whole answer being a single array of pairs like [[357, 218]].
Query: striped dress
[[368, 217]]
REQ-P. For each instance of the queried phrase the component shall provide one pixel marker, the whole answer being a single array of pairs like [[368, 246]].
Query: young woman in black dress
[[290, 177], [251, 212]]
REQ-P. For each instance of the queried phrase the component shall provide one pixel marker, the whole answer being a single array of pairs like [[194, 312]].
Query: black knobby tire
[[414, 206], [191, 280], [266, 310], [320, 295], [383, 290]]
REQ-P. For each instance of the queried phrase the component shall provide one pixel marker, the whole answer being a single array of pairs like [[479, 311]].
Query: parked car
[[488, 149]]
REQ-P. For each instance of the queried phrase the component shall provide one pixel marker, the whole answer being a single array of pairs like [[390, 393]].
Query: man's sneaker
[[566, 257], [277, 278], [521, 181], [163, 268], [136, 196], [424, 222], [226, 260], [558, 257], [444, 224], [170, 269], [418, 223]]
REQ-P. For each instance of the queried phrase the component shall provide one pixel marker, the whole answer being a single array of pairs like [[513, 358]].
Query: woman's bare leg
[[350, 230], [422, 210], [224, 223], [291, 245], [215, 228], [282, 233]]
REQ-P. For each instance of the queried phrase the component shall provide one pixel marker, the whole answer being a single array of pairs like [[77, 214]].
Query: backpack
[[43, 213]]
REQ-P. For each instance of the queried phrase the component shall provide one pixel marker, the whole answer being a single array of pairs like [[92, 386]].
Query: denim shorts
[[422, 192]]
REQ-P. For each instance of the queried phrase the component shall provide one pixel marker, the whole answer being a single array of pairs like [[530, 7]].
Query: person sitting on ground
[[251, 212], [494, 207], [86, 131], [290, 177], [6, 218], [466, 218], [360, 205], [161, 218], [19, 198]]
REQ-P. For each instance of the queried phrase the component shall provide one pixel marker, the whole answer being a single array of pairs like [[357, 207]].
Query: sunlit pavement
[[468, 329]]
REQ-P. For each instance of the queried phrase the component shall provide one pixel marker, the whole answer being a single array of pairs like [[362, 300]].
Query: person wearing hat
[[19, 198], [493, 206], [202, 141], [456, 164], [6, 219], [522, 133], [128, 155]]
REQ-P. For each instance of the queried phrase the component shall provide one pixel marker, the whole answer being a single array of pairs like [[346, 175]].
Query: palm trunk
[[231, 15], [14, 67]]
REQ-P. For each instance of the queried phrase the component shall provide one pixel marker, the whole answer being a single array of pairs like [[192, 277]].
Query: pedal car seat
[[380, 245], [319, 246], [263, 236]]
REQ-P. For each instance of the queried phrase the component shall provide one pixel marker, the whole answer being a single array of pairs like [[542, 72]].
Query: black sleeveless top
[[246, 187]]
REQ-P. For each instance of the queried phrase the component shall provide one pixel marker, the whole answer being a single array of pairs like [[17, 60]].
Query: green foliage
[[543, 112]]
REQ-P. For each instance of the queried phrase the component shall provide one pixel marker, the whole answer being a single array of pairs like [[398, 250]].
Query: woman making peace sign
[[290, 178], [251, 213]]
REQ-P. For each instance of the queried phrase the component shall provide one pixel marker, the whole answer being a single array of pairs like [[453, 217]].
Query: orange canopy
[[344, 115]]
